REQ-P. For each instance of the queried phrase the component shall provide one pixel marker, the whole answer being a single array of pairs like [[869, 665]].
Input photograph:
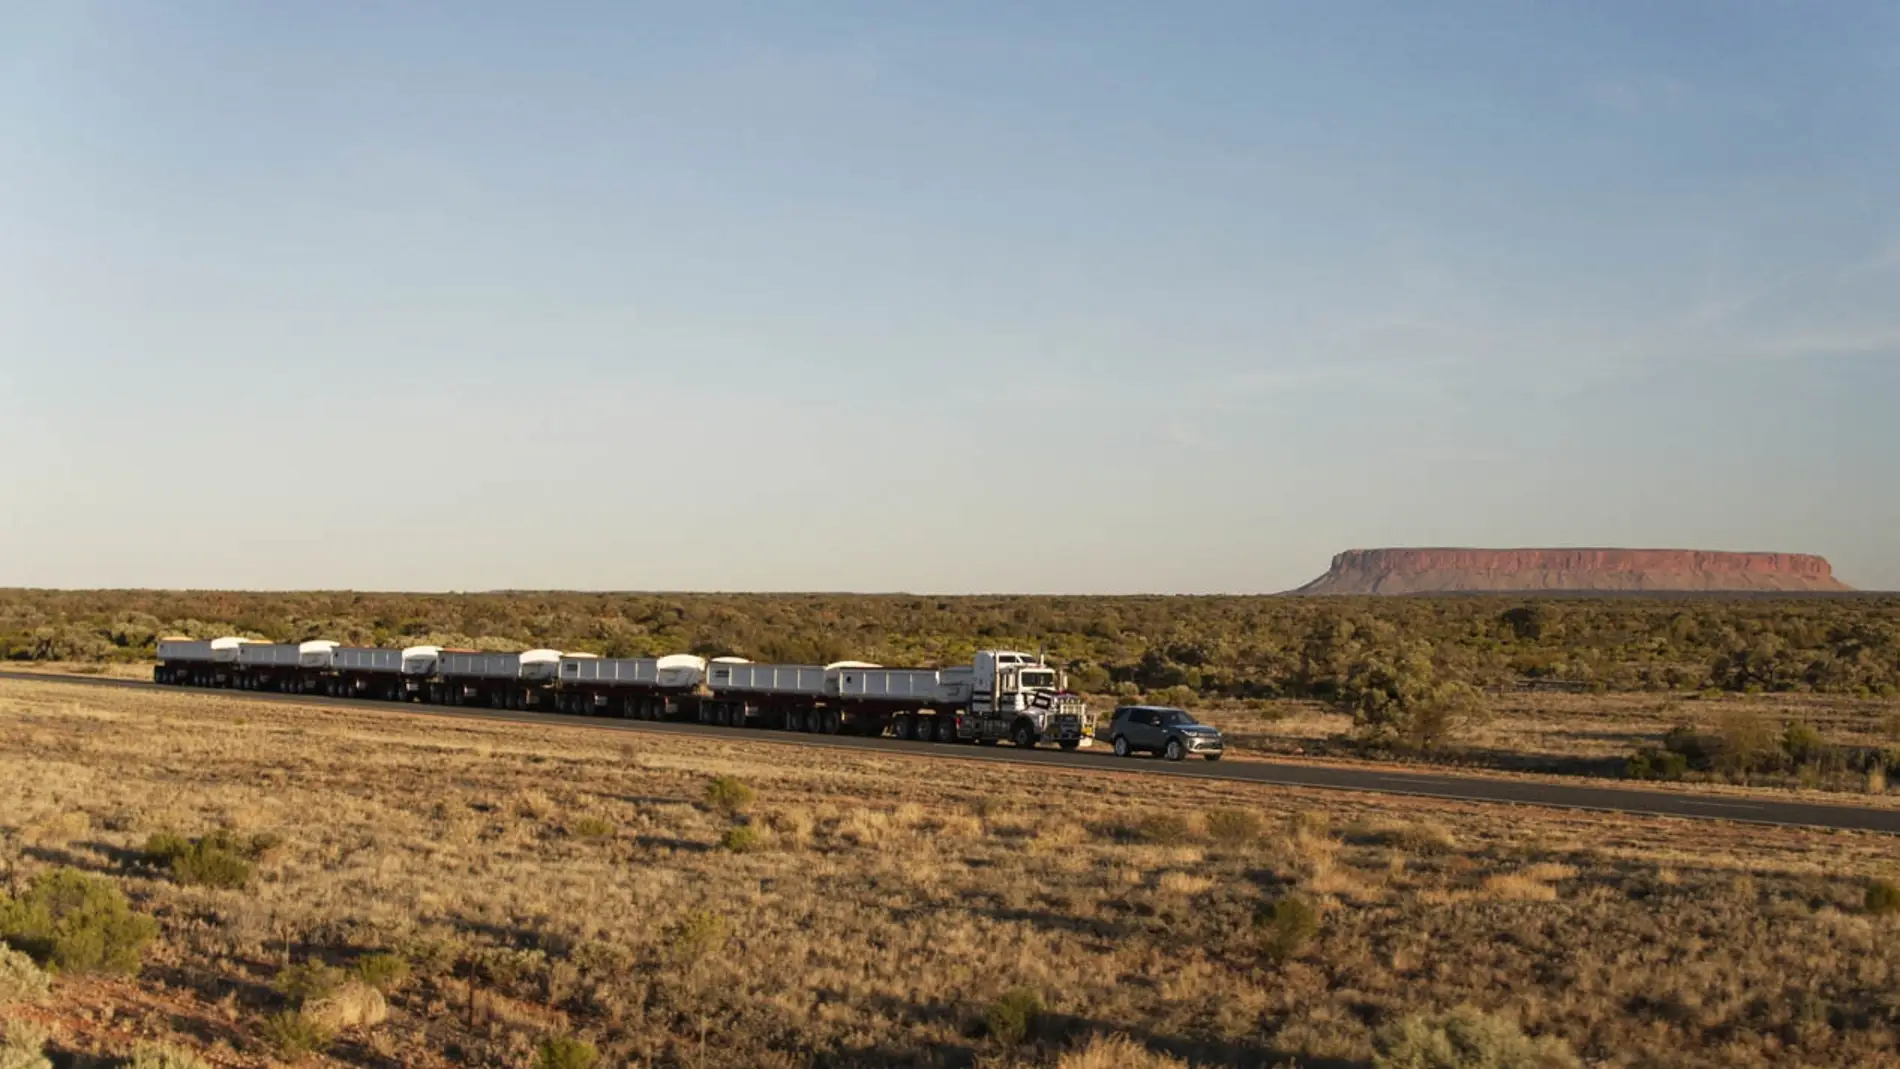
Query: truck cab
[[1019, 696]]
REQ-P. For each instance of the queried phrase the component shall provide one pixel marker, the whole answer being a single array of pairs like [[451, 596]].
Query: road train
[[1001, 694]]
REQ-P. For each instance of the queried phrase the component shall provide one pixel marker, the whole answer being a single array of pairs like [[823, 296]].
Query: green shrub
[[700, 933], [384, 972], [24, 1046], [219, 859], [20, 979], [1883, 898], [1802, 742], [1164, 826], [294, 1035], [1286, 926], [1651, 763], [728, 795], [565, 1052], [742, 839], [309, 982], [590, 827], [1233, 827], [163, 1056], [76, 923], [1465, 1039], [1012, 1016]]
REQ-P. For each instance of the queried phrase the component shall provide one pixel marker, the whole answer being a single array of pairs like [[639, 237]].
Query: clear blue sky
[[944, 297]]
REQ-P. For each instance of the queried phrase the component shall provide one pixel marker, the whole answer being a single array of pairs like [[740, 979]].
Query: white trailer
[[497, 680], [362, 672], [196, 663]]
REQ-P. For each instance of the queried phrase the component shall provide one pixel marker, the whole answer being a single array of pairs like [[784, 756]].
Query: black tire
[[946, 728], [1023, 735], [1212, 756], [1175, 751], [987, 742], [904, 727], [1070, 744], [832, 722], [1121, 746]]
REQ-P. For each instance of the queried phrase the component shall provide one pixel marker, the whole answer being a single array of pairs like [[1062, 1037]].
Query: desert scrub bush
[[75, 923], [163, 1056], [1115, 1052], [308, 982], [1653, 763], [1285, 926], [1013, 1015], [24, 1046], [294, 1035], [219, 859], [384, 972], [1233, 827], [729, 796], [20, 979], [697, 935], [590, 827], [565, 1052], [742, 839], [1883, 898], [1466, 1039]]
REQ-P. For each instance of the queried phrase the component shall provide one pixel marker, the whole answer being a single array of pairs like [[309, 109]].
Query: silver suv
[[1169, 732]]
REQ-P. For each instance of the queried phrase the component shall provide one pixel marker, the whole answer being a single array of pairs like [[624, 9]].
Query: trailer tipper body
[[1001, 694]]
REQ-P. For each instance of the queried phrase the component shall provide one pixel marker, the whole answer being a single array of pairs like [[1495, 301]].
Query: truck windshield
[[1038, 679]]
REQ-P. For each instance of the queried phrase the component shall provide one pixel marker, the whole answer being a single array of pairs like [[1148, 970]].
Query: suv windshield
[[1039, 679], [1174, 718]]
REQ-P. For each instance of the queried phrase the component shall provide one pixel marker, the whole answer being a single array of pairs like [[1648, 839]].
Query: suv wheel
[[1121, 746], [1175, 750]]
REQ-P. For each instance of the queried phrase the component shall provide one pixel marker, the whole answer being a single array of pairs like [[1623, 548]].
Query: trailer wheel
[[903, 726], [829, 719]]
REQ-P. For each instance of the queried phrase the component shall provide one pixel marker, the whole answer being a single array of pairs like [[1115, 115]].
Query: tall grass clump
[[20, 979], [164, 1056]]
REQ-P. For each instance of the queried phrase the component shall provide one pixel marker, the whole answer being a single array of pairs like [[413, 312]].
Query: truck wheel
[[904, 727], [946, 729], [1175, 750], [831, 724], [1024, 734], [1070, 744]]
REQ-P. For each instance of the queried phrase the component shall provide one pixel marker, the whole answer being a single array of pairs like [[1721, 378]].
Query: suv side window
[[1144, 717]]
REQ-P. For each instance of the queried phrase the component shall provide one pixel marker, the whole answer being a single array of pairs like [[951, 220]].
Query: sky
[[1088, 297]]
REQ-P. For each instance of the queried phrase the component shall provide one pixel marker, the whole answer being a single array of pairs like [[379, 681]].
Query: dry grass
[[895, 899]]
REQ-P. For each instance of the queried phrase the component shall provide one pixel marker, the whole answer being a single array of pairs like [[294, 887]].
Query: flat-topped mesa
[[1449, 571]]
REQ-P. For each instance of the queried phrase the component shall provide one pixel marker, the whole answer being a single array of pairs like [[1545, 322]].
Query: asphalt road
[[1098, 759]]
